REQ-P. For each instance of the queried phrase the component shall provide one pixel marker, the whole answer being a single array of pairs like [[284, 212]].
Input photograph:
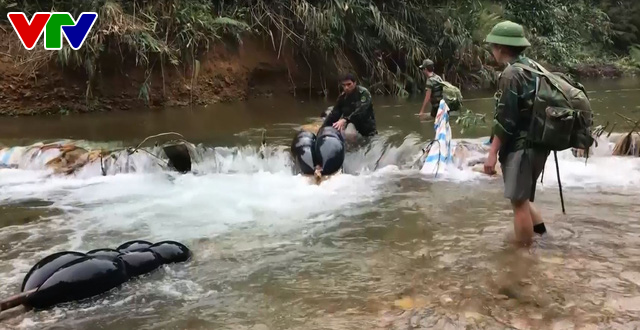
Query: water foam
[[235, 190], [105, 211]]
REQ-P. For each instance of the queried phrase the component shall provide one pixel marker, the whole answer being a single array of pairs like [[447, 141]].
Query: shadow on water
[[24, 212]]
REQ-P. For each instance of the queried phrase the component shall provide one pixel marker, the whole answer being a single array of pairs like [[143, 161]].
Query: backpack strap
[[528, 68], [543, 72], [542, 68], [446, 83]]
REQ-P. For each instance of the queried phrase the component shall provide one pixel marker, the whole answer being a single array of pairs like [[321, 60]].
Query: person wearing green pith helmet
[[521, 164], [434, 88]]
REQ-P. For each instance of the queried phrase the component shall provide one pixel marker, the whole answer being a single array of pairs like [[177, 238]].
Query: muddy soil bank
[[34, 82]]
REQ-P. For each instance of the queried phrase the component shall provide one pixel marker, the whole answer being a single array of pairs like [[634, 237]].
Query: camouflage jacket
[[434, 83], [514, 104], [356, 108]]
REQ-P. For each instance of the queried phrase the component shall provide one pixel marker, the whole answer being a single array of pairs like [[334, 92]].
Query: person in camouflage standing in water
[[433, 90], [354, 105], [521, 164]]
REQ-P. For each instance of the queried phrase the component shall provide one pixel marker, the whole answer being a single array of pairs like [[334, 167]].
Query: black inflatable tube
[[303, 152], [109, 254], [171, 252], [325, 150], [44, 268], [69, 275], [140, 262], [330, 150], [134, 245], [79, 279]]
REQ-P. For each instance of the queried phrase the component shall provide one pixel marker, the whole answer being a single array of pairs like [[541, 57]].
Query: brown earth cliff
[[33, 82]]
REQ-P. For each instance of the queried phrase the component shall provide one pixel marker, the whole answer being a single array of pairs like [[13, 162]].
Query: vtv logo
[[54, 25]]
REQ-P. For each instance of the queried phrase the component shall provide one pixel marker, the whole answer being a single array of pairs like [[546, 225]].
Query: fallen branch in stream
[[629, 145]]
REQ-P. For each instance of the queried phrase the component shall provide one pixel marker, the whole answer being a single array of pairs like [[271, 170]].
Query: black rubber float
[[44, 268], [140, 262], [302, 149], [325, 150], [329, 150], [132, 246], [67, 276], [79, 279], [108, 254], [171, 251], [179, 157]]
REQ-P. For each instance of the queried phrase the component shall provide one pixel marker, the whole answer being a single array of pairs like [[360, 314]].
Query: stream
[[380, 247]]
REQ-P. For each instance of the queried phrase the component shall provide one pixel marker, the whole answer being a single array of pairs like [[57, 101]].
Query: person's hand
[[340, 124], [422, 115], [490, 164]]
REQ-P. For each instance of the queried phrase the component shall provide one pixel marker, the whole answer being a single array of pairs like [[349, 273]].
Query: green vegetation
[[381, 41]]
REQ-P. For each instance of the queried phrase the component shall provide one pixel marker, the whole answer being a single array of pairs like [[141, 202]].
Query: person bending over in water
[[354, 105], [521, 165]]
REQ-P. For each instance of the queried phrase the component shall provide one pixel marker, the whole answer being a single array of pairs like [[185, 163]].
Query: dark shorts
[[520, 172], [434, 109]]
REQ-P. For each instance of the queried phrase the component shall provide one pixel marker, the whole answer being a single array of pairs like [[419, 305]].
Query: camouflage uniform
[[521, 165], [434, 83], [356, 108]]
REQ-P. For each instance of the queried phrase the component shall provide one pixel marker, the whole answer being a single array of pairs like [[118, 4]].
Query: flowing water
[[380, 247]]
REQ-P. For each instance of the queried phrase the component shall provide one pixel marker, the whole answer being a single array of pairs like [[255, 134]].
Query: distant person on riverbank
[[354, 105], [433, 91], [521, 165]]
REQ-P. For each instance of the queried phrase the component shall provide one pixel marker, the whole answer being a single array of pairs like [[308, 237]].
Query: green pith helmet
[[509, 34], [425, 63]]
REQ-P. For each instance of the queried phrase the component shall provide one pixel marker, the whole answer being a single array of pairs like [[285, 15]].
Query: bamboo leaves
[[383, 41]]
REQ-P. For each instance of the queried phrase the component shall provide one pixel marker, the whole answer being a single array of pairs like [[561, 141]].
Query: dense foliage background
[[381, 41]]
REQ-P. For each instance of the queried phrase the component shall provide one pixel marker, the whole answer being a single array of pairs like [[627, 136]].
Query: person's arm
[[361, 106], [492, 158], [427, 96], [505, 118], [507, 113], [427, 100], [334, 115]]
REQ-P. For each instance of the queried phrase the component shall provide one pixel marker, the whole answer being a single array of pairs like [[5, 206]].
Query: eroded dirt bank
[[34, 82]]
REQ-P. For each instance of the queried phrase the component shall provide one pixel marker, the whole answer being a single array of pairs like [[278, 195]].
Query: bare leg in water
[[317, 174], [522, 222]]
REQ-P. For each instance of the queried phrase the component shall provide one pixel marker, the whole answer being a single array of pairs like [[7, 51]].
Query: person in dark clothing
[[354, 105]]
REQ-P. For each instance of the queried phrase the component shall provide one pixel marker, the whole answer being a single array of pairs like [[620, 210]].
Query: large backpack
[[562, 117], [451, 95]]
